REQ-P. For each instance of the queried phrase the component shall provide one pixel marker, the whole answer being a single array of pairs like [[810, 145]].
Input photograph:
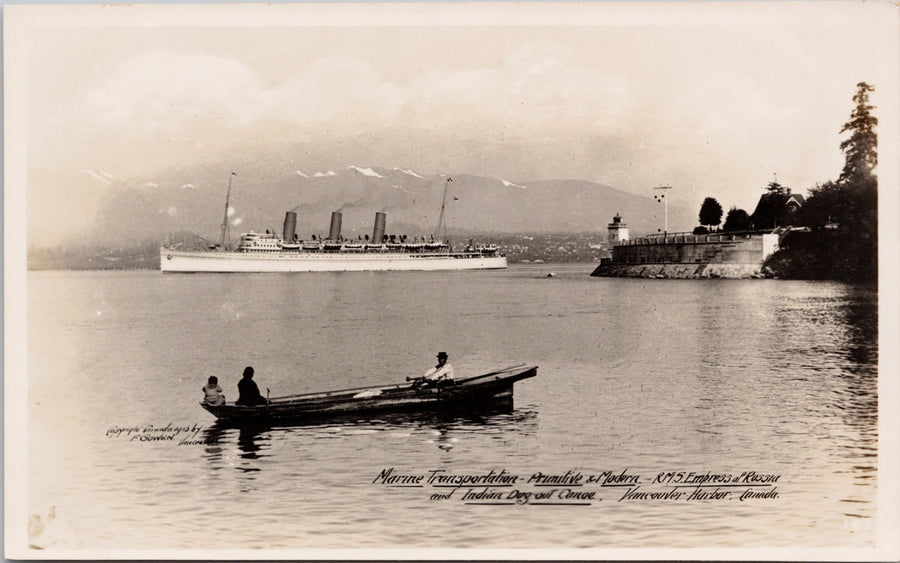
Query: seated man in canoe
[[249, 395], [438, 376]]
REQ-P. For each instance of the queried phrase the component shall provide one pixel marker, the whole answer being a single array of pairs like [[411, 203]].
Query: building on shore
[[686, 255], [777, 210], [618, 231]]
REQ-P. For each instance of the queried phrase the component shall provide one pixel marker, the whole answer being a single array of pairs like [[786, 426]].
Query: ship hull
[[186, 261]]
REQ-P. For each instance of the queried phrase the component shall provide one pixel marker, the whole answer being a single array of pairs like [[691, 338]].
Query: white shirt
[[443, 372], [213, 395]]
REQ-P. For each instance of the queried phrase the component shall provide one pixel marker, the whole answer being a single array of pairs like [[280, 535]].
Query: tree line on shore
[[840, 217]]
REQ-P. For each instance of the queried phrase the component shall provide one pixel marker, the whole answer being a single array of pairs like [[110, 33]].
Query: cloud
[[337, 93], [539, 89], [636, 109], [164, 92]]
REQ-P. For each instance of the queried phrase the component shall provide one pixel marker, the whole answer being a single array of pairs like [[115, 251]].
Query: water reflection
[[250, 444], [860, 314], [254, 442], [444, 439], [250, 440], [841, 353], [856, 393], [479, 413]]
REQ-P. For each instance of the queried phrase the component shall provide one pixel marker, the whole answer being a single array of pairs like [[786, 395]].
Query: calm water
[[641, 376]]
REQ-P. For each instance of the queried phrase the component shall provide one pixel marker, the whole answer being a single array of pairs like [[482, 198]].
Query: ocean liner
[[285, 252]]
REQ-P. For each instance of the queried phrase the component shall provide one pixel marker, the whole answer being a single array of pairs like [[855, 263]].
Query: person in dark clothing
[[248, 391]]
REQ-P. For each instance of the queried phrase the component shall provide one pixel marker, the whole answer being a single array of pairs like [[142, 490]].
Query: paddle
[[492, 373], [422, 379]]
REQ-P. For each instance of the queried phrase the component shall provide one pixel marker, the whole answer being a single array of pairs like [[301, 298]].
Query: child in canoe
[[212, 392]]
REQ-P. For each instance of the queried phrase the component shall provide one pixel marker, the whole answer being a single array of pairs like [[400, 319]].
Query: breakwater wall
[[684, 255]]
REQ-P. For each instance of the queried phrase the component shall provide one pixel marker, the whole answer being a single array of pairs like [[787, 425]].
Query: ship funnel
[[290, 226], [378, 233], [335, 232]]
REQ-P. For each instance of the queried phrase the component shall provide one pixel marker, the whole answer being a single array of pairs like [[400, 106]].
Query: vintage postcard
[[500, 280]]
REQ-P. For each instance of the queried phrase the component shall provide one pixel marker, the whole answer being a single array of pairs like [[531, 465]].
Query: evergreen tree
[[861, 149], [857, 216], [843, 213], [775, 188]]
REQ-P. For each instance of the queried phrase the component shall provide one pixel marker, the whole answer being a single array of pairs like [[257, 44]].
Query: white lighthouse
[[618, 231]]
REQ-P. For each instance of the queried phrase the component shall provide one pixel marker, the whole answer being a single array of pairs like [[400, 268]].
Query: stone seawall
[[687, 256], [680, 271]]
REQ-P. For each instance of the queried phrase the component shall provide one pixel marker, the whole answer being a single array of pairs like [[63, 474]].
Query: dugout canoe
[[466, 393]]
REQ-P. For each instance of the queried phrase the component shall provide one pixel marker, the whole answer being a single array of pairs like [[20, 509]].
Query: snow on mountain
[[396, 187], [408, 171], [94, 175], [365, 171], [511, 185], [412, 201]]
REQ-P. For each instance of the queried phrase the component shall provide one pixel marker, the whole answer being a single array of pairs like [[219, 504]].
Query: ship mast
[[225, 218], [443, 235]]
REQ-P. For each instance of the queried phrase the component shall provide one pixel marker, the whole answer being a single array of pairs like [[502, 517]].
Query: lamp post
[[661, 198]]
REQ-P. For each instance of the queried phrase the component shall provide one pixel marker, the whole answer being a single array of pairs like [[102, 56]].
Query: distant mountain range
[[112, 211]]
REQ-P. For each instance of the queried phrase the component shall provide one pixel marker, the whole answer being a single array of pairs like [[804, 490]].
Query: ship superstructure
[[285, 252]]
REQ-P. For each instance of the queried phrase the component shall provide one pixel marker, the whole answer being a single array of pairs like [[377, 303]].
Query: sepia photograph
[[451, 281]]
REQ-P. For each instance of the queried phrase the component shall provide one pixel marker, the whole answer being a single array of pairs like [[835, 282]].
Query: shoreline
[[681, 271]]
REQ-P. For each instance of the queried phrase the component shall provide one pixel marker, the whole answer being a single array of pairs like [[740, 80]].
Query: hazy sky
[[711, 98]]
